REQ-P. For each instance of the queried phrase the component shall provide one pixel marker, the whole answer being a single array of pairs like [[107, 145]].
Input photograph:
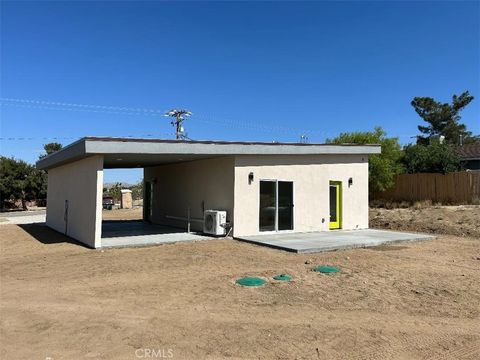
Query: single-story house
[[470, 155], [258, 187]]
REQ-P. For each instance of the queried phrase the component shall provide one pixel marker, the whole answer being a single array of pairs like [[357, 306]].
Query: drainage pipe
[[188, 219]]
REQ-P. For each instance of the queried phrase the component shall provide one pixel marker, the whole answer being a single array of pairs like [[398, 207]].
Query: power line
[[132, 111], [62, 106], [29, 138], [99, 107], [200, 118], [36, 138]]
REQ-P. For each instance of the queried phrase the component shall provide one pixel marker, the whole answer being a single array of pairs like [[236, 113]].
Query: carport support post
[[99, 208], [74, 200]]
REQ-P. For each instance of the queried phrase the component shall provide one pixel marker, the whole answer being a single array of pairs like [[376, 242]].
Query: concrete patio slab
[[138, 233], [332, 240]]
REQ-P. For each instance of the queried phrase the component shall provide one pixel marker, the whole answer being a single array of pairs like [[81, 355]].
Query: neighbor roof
[[469, 152], [131, 152]]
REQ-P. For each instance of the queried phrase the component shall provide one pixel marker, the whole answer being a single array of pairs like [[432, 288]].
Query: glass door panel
[[285, 205], [333, 203], [268, 201]]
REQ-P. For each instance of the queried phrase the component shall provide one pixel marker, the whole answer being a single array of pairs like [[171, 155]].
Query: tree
[[137, 190], [433, 158], [383, 167], [443, 119], [21, 181], [50, 148], [114, 191]]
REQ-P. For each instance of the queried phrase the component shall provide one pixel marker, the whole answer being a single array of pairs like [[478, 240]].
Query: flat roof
[[469, 152], [132, 152]]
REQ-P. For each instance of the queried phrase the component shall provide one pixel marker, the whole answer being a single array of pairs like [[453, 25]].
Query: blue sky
[[247, 70]]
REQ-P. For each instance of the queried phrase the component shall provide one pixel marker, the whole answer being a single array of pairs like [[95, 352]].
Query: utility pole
[[179, 117]]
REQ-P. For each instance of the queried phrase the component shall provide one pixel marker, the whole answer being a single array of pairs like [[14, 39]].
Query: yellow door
[[335, 204]]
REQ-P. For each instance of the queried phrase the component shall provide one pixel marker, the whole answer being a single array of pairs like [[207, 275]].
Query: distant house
[[470, 154]]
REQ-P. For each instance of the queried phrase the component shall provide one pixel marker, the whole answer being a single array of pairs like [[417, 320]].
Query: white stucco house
[[262, 187]]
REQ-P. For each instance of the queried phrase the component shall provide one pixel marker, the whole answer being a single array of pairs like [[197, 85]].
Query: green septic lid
[[326, 269], [282, 277], [251, 281]]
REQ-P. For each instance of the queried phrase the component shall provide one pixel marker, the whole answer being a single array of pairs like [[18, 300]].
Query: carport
[[260, 187], [75, 189]]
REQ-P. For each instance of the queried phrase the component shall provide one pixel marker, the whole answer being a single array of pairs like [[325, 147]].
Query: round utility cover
[[251, 281], [282, 277], [326, 269]]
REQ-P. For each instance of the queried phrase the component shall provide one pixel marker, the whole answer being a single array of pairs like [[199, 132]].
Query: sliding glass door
[[276, 205]]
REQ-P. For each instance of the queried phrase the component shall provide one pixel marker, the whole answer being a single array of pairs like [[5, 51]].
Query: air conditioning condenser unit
[[214, 222]]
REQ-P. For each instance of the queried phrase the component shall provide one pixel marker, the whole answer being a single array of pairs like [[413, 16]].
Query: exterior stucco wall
[[198, 185], [81, 183], [311, 175]]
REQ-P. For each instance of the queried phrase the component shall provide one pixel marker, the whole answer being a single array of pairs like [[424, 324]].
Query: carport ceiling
[[116, 161], [129, 152]]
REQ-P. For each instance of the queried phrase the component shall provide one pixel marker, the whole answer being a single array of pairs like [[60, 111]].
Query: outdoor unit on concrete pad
[[214, 222]]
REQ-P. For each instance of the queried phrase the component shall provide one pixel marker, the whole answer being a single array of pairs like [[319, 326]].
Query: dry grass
[[391, 204]]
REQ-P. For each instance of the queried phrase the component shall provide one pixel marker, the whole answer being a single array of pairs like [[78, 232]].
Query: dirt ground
[[451, 220], [123, 214], [409, 301]]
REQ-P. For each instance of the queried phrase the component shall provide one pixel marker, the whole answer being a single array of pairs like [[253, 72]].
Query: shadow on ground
[[46, 235], [121, 228]]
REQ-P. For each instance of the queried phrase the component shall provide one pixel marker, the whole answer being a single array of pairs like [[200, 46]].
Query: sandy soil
[[123, 214], [409, 301], [452, 220]]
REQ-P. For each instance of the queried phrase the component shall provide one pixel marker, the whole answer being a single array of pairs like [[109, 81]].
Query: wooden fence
[[459, 188]]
